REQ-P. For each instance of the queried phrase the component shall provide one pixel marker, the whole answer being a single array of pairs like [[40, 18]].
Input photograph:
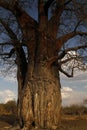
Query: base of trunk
[[41, 104]]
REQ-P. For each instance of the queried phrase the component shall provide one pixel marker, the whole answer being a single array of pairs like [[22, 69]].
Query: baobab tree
[[40, 44]]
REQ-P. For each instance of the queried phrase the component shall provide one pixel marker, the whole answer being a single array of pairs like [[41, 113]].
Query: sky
[[8, 89], [73, 90]]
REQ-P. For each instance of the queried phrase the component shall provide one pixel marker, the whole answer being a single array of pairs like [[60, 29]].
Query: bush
[[8, 112], [74, 110], [2, 109], [11, 107]]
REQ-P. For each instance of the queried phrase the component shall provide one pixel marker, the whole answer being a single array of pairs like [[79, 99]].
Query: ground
[[67, 123], [73, 123]]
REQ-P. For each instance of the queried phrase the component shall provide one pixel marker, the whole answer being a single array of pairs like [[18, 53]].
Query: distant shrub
[[2, 109], [74, 110], [8, 112], [11, 107]]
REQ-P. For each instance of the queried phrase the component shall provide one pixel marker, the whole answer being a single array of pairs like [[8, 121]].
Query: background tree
[[50, 40], [85, 102], [11, 107]]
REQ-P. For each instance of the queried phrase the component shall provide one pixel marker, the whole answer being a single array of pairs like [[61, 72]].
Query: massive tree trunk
[[40, 98]]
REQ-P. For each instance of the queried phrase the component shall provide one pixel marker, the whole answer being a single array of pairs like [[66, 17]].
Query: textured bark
[[40, 100]]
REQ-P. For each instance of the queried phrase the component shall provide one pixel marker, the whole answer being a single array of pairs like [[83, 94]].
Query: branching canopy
[[62, 23]]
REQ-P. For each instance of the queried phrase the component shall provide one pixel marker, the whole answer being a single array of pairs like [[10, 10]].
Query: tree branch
[[8, 54], [6, 43], [64, 72], [42, 15], [60, 56], [11, 34], [76, 48], [63, 39], [55, 58], [53, 23], [66, 60], [47, 5], [8, 4], [16, 9], [77, 25], [51, 60], [22, 17], [67, 2], [4, 54], [11, 52]]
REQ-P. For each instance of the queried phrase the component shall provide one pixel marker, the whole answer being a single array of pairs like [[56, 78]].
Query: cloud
[[71, 96], [7, 95], [76, 91], [79, 76], [67, 89], [85, 87], [75, 98], [66, 92]]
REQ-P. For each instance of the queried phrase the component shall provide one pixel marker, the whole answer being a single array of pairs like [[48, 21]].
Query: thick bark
[[40, 100]]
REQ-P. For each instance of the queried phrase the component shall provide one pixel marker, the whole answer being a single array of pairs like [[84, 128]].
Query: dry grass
[[73, 124]]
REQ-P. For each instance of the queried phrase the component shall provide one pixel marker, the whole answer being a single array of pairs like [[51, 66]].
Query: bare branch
[[4, 54], [63, 39], [77, 25], [52, 60], [55, 58], [11, 52], [22, 17], [8, 4], [76, 48], [66, 60], [47, 5], [76, 57], [81, 33], [67, 2], [8, 54], [54, 21], [6, 43], [63, 53], [11, 34], [64, 72], [42, 15]]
